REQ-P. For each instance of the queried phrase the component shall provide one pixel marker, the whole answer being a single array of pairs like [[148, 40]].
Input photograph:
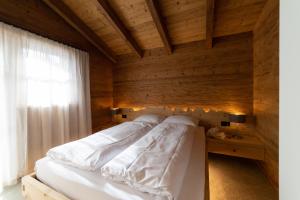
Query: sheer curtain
[[44, 99]]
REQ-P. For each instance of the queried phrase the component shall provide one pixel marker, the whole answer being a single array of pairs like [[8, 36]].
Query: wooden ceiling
[[131, 26]]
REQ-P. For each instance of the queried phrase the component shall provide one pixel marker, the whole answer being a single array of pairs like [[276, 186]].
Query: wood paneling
[[266, 84], [101, 90], [36, 17], [154, 9], [236, 16], [210, 12], [185, 20], [73, 20], [118, 25], [219, 78], [137, 18], [207, 117], [89, 13]]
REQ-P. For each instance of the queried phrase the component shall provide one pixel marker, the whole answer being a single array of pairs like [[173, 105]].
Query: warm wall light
[[138, 108], [184, 109], [240, 118], [206, 110], [115, 111]]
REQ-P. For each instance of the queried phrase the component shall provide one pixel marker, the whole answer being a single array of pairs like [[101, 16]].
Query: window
[[47, 79], [40, 73]]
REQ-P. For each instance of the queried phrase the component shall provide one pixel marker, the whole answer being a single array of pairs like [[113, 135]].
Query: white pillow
[[151, 118], [181, 119]]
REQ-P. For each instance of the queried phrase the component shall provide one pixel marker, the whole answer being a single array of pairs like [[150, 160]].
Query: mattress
[[81, 184]]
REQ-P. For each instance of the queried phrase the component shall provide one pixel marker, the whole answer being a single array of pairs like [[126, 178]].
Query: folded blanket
[[91, 152], [156, 163]]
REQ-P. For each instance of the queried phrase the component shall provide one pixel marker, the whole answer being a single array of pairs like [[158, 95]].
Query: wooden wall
[[101, 90], [266, 85], [219, 78], [36, 17], [236, 16]]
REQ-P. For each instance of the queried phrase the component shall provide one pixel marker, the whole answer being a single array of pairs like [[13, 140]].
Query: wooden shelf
[[246, 147]]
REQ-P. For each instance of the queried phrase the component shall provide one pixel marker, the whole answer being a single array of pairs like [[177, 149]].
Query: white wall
[[289, 136]]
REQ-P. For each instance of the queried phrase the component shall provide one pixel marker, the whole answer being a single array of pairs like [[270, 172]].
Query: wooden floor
[[230, 179], [237, 179]]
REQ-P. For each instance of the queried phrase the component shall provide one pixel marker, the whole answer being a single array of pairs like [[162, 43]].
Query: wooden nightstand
[[247, 147]]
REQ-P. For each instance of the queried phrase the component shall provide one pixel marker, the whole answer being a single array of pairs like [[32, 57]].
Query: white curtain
[[44, 99]]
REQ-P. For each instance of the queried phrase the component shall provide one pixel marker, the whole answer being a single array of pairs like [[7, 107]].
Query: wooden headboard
[[207, 118]]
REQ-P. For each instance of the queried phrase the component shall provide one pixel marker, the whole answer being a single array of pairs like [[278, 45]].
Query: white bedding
[[80, 184], [91, 152], [150, 164]]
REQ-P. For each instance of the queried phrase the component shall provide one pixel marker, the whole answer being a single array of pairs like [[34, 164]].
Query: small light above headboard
[[115, 111], [207, 117], [138, 108]]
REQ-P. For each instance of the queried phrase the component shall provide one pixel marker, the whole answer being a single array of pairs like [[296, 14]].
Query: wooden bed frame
[[33, 189]]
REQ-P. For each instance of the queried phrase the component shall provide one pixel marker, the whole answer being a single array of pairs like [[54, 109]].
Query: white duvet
[[91, 152], [156, 163]]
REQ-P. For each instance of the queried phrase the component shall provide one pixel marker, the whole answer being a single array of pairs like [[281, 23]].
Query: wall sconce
[[115, 111], [237, 118]]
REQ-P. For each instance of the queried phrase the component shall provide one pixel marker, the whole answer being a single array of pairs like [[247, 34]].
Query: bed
[[53, 180]]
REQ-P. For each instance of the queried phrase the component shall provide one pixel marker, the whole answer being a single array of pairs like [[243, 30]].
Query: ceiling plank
[[66, 13], [158, 21], [210, 9], [114, 20]]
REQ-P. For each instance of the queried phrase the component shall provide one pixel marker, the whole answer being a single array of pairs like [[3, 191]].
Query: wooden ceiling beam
[[114, 20], [210, 9], [159, 23], [67, 14]]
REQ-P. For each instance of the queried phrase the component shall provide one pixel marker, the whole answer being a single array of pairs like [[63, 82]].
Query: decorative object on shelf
[[216, 133]]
